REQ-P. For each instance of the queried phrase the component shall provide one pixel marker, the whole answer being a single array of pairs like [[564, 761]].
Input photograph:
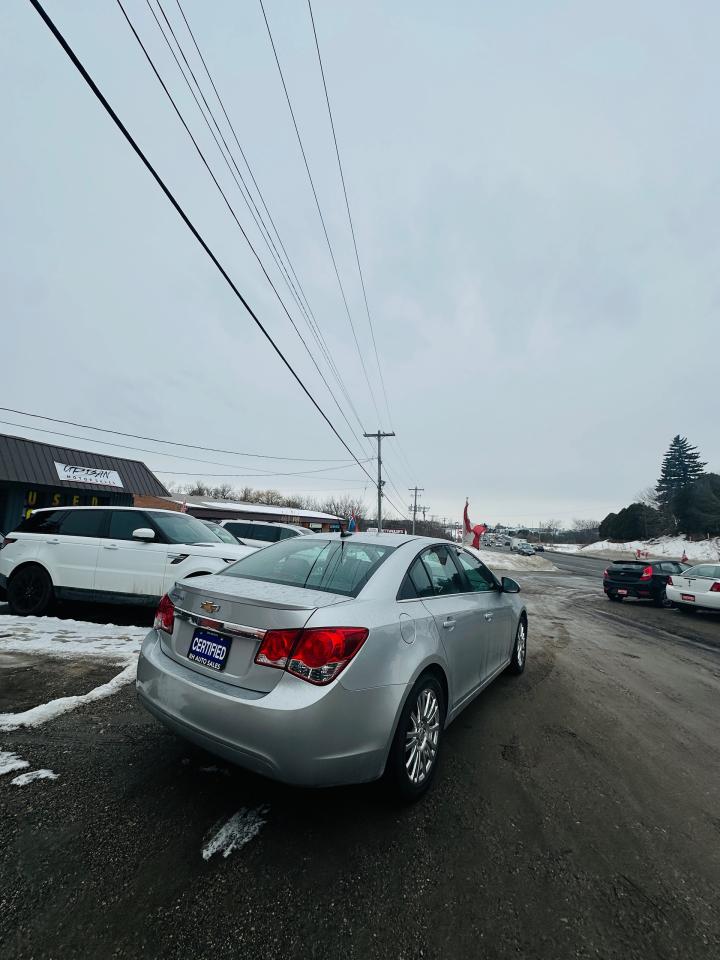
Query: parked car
[[539, 548], [328, 660], [526, 549], [258, 533], [221, 532], [106, 555], [642, 579], [696, 588]]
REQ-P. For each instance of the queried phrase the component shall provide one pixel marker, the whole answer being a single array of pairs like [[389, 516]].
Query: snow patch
[[26, 778], [10, 762], [49, 711], [670, 546], [69, 638], [240, 829]]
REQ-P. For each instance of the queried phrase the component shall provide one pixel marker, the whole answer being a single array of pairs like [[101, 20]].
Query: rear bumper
[[704, 601], [298, 733], [640, 591]]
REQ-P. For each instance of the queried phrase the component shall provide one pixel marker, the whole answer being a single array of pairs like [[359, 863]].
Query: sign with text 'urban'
[[71, 474]]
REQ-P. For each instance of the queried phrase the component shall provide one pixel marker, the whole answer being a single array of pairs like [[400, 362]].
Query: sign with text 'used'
[[105, 478]]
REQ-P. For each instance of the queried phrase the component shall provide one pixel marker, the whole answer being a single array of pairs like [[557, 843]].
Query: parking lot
[[575, 814]]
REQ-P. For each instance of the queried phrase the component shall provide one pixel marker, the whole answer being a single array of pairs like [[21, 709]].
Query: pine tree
[[681, 466]]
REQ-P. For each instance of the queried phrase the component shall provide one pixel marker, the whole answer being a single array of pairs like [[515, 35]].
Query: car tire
[[519, 654], [30, 591], [660, 599], [614, 597], [422, 715]]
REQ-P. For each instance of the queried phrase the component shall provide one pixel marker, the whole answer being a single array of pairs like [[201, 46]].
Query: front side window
[[123, 522], [241, 530], [333, 566], [440, 567], [83, 523], [182, 528], [262, 532], [478, 576]]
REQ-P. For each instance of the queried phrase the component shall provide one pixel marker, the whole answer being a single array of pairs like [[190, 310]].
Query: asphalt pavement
[[576, 814]]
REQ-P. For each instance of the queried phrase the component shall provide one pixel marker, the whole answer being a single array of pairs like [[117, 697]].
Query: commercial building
[[217, 510], [34, 475]]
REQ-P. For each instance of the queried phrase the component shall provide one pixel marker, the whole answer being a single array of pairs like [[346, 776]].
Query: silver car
[[332, 659]]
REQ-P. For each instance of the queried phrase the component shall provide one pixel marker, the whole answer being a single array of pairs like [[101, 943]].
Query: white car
[[696, 587], [106, 555], [259, 533]]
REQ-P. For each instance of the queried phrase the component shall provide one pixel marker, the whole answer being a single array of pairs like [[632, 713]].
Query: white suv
[[106, 555], [259, 533]]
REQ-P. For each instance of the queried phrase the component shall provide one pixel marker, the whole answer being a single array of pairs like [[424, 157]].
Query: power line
[[179, 456], [347, 207], [220, 189], [307, 309], [251, 205], [319, 209], [186, 220], [171, 443]]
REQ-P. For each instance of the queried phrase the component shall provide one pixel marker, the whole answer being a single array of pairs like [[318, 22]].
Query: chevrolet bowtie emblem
[[209, 607]]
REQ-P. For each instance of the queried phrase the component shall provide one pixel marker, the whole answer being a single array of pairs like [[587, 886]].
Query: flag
[[352, 525]]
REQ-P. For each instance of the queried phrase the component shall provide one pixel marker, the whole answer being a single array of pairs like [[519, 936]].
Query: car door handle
[[449, 623], [54, 540], [488, 617], [111, 546]]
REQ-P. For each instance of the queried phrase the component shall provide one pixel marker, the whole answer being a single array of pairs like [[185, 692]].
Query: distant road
[[575, 563]]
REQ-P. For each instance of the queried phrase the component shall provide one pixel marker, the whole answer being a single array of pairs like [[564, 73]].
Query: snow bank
[[695, 550], [69, 638], [511, 561]]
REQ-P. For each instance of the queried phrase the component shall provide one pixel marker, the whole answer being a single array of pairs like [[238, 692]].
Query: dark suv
[[642, 579]]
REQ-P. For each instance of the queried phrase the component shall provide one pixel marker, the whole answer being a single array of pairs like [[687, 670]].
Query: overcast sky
[[535, 193]]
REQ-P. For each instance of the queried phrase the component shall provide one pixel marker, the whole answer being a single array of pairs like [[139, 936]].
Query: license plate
[[688, 596], [622, 593], [209, 649]]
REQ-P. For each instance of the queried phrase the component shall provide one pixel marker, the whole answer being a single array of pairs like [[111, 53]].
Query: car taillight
[[647, 573], [670, 582], [7, 541], [276, 647], [605, 573], [317, 655], [715, 588], [165, 616]]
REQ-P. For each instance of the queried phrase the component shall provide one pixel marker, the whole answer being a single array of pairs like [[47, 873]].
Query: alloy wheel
[[423, 734], [521, 644]]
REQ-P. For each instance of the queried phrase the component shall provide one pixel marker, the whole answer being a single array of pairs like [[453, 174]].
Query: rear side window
[[268, 533], [416, 584], [42, 522], [83, 523], [333, 566]]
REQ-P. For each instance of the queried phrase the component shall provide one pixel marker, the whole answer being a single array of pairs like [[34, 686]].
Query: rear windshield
[[333, 566]]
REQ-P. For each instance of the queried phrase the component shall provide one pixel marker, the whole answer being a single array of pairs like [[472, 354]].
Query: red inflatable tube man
[[478, 530]]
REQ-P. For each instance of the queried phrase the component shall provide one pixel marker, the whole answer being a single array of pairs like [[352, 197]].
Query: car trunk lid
[[238, 612], [628, 572]]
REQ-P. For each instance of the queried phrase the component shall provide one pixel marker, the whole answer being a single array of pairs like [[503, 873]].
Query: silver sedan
[[332, 659]]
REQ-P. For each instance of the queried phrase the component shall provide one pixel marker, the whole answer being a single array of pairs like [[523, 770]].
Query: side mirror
[[508, 585], [143, 533]]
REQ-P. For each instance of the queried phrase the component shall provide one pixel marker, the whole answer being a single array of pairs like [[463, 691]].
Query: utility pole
[[414, 507], [380, 482]]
